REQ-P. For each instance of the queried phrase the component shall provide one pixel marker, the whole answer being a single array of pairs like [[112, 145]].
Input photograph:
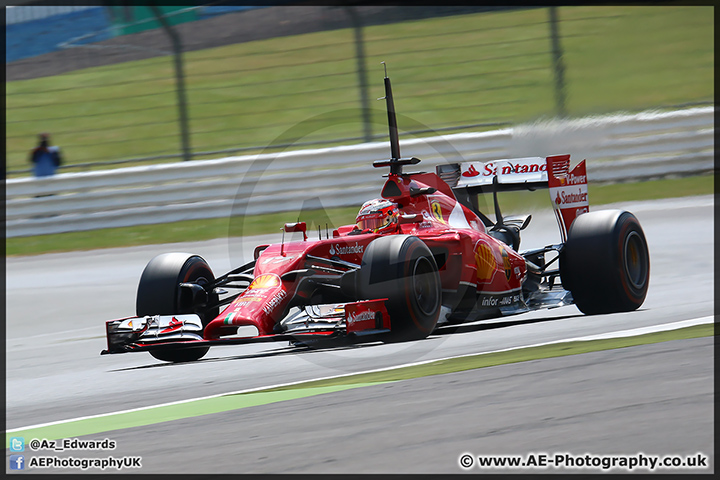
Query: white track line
[[618, 334]]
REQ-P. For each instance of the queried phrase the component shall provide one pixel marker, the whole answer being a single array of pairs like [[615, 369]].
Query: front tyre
[[402, 269], [605, 263], [159, 294]]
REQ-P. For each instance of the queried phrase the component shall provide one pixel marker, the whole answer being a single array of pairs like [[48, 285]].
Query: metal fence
[[617, 148], [474, 71], [15, 14]]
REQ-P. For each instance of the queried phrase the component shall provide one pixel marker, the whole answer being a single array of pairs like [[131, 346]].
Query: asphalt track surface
[[655, 399]]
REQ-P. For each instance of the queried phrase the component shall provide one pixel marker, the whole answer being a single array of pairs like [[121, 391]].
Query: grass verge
[[512, 356]]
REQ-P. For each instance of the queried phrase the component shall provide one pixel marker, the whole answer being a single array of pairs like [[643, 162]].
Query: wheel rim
[[200, 275], [635, 264], [424, 286]]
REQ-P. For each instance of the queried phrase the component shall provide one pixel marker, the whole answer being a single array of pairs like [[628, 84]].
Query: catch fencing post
[[558, 66], [180, 81], [362, 74]]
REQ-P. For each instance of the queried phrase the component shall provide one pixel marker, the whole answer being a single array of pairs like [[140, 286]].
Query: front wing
[[168, 332]]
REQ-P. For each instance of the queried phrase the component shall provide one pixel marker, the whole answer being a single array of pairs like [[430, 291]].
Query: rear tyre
[[402, 269], [159, 294], [605, 263]]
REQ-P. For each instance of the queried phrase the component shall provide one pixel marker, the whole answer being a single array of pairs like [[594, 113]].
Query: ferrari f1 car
[[421, 255]]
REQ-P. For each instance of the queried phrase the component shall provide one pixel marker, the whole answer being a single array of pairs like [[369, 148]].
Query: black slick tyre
[[402, 269], [605, 263], [159, 294]]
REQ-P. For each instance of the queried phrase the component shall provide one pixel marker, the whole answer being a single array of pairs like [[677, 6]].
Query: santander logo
[[510, 168], [471, 172], [346, 250], [359, 317], [576, 198]]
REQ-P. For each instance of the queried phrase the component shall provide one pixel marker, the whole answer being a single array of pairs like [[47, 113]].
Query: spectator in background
[[45, 159]]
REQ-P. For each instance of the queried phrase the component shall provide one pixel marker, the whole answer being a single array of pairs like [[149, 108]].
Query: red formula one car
[[421, 255]]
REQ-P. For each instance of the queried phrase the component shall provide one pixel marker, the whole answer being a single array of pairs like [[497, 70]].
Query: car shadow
[[494, 323], [324, 346]]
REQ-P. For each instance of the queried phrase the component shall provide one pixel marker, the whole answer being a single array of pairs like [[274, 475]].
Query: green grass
[[447, 71], [197, 230], [186, 231]]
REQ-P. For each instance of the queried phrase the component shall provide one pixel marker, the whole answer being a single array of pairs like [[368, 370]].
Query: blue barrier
[[37, 37]]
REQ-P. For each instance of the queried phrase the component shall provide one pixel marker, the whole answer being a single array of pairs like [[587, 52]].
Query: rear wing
[[568, 188]]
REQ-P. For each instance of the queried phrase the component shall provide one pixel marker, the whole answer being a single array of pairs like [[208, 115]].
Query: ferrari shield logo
[[506, 264], [436, 210]]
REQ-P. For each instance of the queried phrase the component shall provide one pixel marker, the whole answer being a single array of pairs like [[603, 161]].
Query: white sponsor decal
[[457, 217], [276, 260], [576, 179], [509, 168], [346, 250], [362, 316], [497, 301], [530, 169], [274, 302], [570, 197]]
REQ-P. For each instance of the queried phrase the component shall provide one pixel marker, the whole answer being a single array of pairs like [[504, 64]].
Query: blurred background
[[119, 85]]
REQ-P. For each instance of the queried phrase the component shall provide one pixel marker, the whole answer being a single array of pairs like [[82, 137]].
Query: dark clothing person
[[45, 159]]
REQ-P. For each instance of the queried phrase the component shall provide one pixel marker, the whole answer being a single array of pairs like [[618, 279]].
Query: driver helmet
[[378, 215]]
